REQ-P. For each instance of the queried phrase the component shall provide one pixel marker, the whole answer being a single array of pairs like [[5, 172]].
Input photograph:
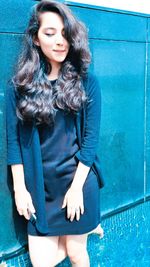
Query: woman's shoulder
[[90, 77], [91, 82]]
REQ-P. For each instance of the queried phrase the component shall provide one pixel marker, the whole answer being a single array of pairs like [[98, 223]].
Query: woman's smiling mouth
[[59, 51]]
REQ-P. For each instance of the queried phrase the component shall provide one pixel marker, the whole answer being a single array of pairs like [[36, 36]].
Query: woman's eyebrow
[[51, 28]]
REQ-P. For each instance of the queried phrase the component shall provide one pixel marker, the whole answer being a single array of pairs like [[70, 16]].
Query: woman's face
[[51, 38]]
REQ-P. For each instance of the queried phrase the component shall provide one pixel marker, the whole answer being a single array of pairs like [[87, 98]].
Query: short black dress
[[59, 145]]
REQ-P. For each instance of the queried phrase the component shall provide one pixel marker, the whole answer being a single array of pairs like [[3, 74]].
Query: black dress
[[58, 147]]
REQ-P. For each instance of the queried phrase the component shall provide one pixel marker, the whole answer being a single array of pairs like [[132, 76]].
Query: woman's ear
[[36, 41]]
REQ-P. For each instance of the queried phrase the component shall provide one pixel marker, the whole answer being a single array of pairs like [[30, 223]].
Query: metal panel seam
[[145, 109]]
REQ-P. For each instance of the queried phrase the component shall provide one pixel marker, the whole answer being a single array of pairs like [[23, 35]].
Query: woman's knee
[[76, 248]]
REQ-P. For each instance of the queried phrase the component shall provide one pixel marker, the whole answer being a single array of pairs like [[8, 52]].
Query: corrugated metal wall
[[120, 47]]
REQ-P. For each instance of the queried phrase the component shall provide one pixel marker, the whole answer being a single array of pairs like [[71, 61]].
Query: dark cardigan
[[23, 144]]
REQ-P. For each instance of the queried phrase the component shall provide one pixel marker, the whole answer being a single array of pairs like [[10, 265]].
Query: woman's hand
[[73, 200], [24, 203]]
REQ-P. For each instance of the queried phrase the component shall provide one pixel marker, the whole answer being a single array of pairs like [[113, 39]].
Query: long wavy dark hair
[[38, 100]]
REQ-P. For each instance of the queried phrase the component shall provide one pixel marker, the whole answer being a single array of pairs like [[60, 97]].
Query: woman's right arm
[[22, 197], [14, 157]]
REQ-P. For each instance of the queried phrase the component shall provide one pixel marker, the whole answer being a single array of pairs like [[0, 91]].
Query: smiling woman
[[51, 39], [66, 35], [53, 121]]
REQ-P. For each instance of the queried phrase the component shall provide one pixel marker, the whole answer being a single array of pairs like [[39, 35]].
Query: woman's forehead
[[51, 20]]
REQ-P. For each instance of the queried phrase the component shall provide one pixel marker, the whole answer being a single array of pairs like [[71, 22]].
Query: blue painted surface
[[10, 18], [120, 49], [147, 126], [119, 52], [122, 125], [148, 27], [113, 26]]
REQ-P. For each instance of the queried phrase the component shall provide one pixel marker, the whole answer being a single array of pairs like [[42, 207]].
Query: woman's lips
[[59, 51]]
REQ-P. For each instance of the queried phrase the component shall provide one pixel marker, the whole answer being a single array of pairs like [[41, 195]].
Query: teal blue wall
[[119, 43]]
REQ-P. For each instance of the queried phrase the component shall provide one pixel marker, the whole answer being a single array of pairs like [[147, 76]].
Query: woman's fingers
[[64, 203], [24, 212], [24, 204], [82, 209], [78, 214], [73, 212], [20, 211], [70, 213], [73, 201], [31, 207]]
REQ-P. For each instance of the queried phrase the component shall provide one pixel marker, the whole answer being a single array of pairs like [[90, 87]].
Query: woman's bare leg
[[98, 230], [77, 250], [46, 251], [49, 251], [43, 250], [61, 252]]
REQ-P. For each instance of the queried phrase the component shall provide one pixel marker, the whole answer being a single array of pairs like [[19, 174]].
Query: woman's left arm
[[74, 196]]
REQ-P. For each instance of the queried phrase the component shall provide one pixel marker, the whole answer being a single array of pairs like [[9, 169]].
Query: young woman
[[53, 121]]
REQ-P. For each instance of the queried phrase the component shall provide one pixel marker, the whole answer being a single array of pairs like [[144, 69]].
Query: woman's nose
[[59, 39]]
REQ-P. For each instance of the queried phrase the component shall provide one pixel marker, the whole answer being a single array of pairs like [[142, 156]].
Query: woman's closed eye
[[49, 34], [53, 33]]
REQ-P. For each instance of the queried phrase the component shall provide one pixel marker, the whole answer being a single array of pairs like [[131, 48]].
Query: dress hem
[[66, 232]]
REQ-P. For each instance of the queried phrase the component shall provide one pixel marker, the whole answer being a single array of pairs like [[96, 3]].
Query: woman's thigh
[[43, 250]]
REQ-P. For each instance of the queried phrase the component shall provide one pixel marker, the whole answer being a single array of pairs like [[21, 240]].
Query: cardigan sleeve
[[90, 140], [13, 144]]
